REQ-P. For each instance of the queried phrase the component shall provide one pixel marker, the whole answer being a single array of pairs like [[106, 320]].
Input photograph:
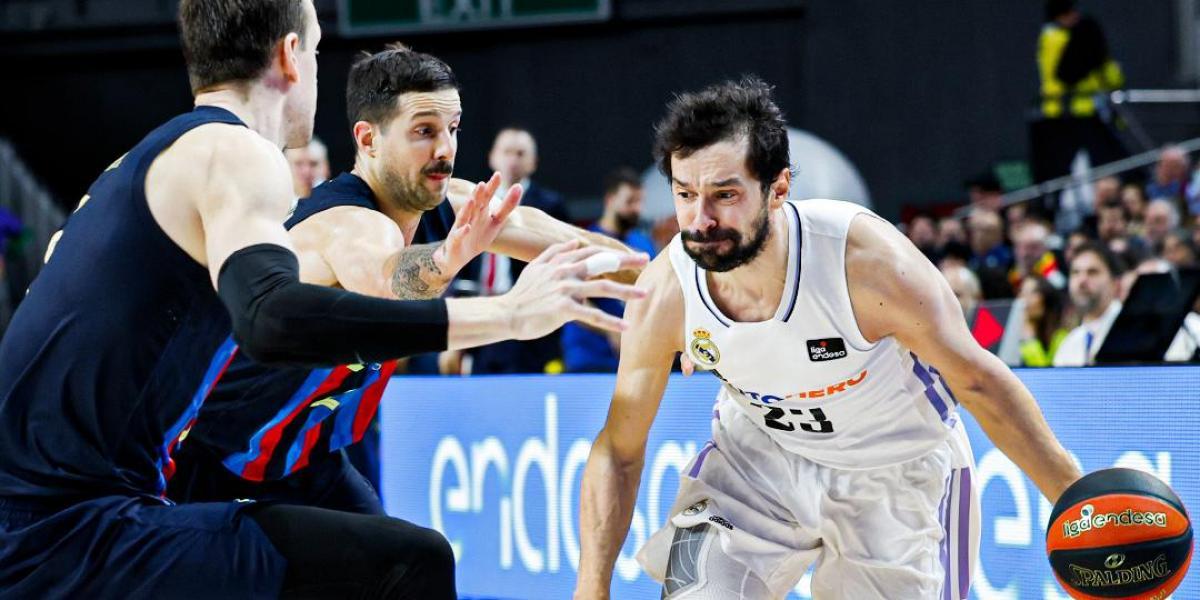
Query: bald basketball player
[[279, 434], [125, 329], [843, 356]]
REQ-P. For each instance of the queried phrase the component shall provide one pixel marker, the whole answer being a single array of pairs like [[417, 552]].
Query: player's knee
[[422, 565]]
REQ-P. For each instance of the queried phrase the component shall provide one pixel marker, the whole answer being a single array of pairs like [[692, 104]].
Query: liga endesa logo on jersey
[[1089, 519], [826, 349]]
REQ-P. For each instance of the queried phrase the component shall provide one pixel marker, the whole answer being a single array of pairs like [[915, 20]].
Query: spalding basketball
[[1119, 533]]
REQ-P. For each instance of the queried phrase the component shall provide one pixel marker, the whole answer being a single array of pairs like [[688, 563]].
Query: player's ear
[[364, 137], [288, 57], [780, 187]]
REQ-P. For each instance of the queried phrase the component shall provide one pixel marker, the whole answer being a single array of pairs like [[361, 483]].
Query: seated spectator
[[1170, 174], [1162, 217], [584, 348], [1033, 256], [1133, 196], [1042, 330], [991, 257], [965, 286], [1180, 250], [922, 232], [1093, 284], [985, 193], [950, 230], [1075, 241]]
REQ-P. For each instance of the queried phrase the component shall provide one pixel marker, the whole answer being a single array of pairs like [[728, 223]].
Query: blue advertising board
[[495, 464]]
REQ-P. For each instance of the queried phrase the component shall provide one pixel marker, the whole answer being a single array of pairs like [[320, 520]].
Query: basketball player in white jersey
[[844, 355]]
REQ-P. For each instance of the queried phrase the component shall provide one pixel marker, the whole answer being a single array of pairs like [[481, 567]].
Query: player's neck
[[405, 218], [261, 111]]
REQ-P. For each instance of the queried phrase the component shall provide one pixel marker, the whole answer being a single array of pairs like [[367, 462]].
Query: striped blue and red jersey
[[266, 423]]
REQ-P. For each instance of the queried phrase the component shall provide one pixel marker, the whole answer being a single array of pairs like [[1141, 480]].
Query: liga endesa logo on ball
[[1089, 519]]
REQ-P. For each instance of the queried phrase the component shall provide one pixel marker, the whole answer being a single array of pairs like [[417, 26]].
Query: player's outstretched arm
[[241, 199], [614, 467], [896, 291], [364, 250], [528, 231]]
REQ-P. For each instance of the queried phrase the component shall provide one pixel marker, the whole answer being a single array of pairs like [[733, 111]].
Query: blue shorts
[[329, 482], [128, 547]]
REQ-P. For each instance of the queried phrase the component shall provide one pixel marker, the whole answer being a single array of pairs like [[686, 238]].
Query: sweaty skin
[[369, 252]]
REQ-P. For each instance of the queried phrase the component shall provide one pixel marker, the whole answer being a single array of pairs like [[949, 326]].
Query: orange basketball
[[1119, 533]]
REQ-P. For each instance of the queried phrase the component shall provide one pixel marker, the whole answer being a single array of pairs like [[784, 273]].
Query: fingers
[[598, 318], [685, 364], [511, 199], [550, 254], [603, 288]]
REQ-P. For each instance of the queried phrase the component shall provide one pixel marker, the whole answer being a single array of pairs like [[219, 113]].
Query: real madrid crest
[[704, 350]]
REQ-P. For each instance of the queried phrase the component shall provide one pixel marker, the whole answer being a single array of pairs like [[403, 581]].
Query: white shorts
[[906, 531]]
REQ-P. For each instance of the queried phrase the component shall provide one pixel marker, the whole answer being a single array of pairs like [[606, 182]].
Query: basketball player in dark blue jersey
[[277, 434], [126, 328]]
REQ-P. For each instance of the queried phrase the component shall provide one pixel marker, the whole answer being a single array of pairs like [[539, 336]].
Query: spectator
[[586, 349], [1015, 217], [1043, 330], [1112, 221], [965, 286], [1133, 196], [301, 163], [1162, 217], [950, 229], [310, 167], [1033, 256], [1075, 68], [1106, 190], [1180, 250], [1093, 286], [922, 233], [1170, 174], [514, 155], [318, 154], [1196, 231], [985, 193], [1075, 241], [1112, 228], [991, 259]]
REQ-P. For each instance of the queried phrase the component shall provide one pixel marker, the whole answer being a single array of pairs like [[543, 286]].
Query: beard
[[626, 223], [740, 254], [1086, 303], [409, 193]]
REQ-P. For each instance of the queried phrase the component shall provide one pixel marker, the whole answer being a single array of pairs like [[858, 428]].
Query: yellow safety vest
[[1106, 78]]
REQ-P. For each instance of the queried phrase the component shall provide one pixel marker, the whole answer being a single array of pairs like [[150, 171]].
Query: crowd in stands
[[1070, 282]]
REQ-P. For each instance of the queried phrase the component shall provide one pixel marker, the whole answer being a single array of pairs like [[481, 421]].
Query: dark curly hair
[[726, 111]]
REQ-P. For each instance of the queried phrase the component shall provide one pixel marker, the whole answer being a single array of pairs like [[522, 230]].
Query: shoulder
[[344, 225], [224, 156], [660, 314]]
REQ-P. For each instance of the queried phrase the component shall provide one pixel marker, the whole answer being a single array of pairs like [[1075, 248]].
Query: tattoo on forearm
[[415, 276]]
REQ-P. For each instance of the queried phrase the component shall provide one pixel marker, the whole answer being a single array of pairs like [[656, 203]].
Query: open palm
[[479, 222]]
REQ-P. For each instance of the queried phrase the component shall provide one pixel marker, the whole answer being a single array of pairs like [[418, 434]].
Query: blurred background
[[1041, 153], [957, 120]]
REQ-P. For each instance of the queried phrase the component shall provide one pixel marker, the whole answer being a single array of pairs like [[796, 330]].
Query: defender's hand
[[476, 225], [552, 290]]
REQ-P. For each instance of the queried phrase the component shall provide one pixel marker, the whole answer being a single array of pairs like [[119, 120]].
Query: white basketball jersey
[[807, 377]]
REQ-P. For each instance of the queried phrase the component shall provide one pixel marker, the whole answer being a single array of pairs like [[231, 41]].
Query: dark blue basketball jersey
[[268, 422], [113, 349]]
